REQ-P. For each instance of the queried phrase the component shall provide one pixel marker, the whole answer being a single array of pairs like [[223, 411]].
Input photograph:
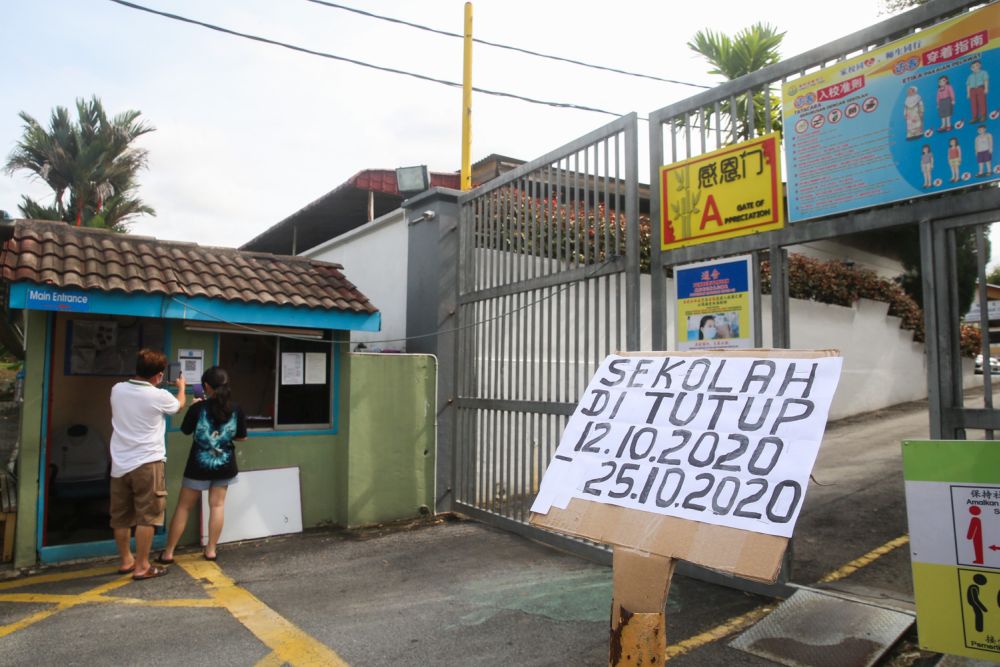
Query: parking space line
[[288, 643], [734, 624], [55, 598], [738, 623], [71, 601], [270, 660], [867, 559], [58, 576]]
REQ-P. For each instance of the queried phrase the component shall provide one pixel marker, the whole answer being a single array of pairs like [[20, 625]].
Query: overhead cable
[[361, 63], [529, 52]]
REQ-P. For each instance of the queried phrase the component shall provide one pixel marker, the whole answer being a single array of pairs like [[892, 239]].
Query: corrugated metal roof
[[64, 256]]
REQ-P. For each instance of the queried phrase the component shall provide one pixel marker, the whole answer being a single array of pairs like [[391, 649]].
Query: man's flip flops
[[127, 570], [151, 573], [164, 561]]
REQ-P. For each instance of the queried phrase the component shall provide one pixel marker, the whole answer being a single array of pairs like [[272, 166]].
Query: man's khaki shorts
[[139, 498]]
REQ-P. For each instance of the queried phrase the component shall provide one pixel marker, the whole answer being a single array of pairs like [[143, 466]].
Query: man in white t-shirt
[[138, 450]]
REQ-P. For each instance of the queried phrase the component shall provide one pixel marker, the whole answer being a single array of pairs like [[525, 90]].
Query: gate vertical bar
[[658, 277], [932, 336], [632, 316]]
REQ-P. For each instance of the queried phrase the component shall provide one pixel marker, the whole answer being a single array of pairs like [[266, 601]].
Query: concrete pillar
[[431, 306]]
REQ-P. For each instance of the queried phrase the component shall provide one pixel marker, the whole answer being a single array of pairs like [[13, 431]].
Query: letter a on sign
[[711, 213]]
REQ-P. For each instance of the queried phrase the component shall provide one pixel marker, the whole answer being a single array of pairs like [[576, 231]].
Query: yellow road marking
[[71, 601], [31, 620], [734, 624], [50, 598], [288, 642], [59, 576], [737, 623], [270, 660], [867, 559]]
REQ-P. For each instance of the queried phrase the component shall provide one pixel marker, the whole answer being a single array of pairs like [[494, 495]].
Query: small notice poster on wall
[[291, 368], [315, 368]]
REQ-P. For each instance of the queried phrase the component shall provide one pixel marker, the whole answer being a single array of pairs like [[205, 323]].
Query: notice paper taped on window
[[725, 440]]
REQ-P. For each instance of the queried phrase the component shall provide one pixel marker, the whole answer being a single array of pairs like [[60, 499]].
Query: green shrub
[[840, 284]]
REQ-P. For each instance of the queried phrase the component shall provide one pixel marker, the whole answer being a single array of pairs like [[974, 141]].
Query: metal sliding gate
[[548, 285], [549, 262]]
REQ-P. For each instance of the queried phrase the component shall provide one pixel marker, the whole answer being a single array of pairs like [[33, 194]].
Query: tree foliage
[[749, 50], [90, 163]]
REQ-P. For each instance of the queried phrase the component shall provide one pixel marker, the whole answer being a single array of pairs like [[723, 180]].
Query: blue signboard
[[41, 298]]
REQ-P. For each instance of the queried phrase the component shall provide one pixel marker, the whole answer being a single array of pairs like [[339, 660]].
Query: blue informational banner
[[911, 118], [714, 305]]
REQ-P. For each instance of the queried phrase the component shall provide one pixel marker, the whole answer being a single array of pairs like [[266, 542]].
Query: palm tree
[[91, 165], [732, 57]]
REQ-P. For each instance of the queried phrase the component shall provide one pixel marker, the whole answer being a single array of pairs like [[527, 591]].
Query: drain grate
[[816, 629]]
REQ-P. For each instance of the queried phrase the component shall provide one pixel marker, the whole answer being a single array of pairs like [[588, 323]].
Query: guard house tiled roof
[[69, 257]]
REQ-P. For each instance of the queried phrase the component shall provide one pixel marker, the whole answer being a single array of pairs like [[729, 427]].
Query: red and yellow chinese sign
[[730, 192]]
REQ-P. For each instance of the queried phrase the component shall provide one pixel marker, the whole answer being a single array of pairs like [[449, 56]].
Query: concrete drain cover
[[813, 629]]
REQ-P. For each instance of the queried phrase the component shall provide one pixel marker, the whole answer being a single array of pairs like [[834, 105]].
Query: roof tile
[[77, 257]]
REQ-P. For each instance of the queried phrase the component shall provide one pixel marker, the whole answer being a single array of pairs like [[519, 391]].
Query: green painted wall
[[321, 459], [25, 542], [390, 471], [377, 467]]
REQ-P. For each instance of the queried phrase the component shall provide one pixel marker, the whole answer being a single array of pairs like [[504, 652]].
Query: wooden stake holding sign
[[702, 456]]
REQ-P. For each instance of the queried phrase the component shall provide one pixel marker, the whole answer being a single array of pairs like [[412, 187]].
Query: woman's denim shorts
[[206, 484]]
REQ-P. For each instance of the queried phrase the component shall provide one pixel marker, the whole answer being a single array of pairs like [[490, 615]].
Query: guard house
[[86, 300]]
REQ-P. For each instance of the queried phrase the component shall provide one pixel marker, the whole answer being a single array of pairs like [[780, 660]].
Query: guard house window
[[281, 383]]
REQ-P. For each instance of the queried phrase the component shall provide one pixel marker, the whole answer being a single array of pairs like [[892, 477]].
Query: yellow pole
[[467, 101]]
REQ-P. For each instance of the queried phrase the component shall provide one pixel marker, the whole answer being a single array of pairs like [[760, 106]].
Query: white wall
[[825, 251], [883, 366], [374, 259]]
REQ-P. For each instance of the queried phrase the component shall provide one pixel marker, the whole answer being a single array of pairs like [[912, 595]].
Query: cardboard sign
[[731, 192], [703, 456]]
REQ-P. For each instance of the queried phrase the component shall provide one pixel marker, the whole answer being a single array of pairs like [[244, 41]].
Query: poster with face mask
[[714, 305]]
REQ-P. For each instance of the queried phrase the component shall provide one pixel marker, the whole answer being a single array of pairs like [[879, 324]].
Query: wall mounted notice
[[714, 305], [291, 368], [914, 117], [727, 439], [315, 368]]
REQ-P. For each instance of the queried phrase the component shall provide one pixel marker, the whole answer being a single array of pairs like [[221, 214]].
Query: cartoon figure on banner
[[972, 597], [927, 164], [984, 151], [975, 533], [954, 158], [913, 113], [977, 86], [945, 103]]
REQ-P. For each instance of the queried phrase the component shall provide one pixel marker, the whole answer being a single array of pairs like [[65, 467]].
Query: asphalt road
[[450, 592]]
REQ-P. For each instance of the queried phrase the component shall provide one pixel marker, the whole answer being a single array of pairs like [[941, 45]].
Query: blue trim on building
[[27, 295]]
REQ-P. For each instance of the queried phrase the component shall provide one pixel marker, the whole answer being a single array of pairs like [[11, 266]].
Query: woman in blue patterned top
[[216, 423]]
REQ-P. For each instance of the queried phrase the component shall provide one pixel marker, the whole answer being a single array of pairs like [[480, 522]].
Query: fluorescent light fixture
[[413, 180]]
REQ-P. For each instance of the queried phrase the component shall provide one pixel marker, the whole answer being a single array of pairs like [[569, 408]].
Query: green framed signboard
[[953, 510]]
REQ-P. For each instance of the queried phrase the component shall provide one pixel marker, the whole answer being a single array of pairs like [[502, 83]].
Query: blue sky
[[248, 133]]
